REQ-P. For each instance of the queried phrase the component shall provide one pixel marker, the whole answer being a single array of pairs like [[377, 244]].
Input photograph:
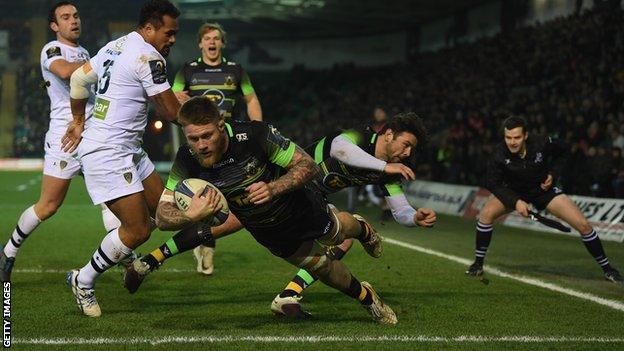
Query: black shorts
[[311, 224], [540, 198]]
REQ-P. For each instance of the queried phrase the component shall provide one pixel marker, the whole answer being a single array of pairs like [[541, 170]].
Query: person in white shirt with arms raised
[[129, 71]]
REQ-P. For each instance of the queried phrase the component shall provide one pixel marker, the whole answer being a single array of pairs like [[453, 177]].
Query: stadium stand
[[565, 76]]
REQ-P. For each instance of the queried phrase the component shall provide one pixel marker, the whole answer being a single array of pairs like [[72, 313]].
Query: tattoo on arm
[[301, 170], [170, 217]]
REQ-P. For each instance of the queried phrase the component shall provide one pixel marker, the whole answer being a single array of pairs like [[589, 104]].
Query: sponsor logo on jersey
[[100, 109], [242, 137], [215, 95], [224, 162], [53, 51], [159, 73]]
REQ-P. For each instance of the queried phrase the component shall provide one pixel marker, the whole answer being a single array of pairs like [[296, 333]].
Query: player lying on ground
[[346, 159], [59, 59], [521, 171], [355, 158], [262, 176]]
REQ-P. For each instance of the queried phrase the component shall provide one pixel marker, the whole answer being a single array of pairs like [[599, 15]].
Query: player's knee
[[140, 231], [486, 217], [584, 227]]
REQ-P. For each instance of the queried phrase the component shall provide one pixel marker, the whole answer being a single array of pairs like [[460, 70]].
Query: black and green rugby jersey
[[336, 175], [256, 152], [225, 84]]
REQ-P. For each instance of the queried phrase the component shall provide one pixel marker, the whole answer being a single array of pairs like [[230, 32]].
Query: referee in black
[[521, 172]]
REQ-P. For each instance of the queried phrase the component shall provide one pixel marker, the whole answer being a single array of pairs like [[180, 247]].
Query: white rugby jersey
[[58, 89], [129, 71]]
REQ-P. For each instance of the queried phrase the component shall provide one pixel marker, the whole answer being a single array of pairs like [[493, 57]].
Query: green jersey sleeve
[[392, 189], [279, 149], [353, 136], [179, 83], [246, 86], [180, 169]]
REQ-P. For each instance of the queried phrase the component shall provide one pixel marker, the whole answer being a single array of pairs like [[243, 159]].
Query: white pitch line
[[319, 339], [616, 305]]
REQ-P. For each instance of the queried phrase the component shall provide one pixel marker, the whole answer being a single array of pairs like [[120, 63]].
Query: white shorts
[[56, 162], [113, 171]]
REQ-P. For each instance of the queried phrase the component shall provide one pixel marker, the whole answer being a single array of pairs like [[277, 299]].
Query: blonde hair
[[207, 27]]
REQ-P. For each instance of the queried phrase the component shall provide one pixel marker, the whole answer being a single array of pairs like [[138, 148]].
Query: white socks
[[111, 251], [110, 220], [27, 222]]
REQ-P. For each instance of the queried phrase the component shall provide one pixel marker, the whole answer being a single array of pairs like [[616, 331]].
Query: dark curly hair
[[154, 10]]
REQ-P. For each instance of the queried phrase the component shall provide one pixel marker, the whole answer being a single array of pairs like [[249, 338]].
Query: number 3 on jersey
[[105, 79]]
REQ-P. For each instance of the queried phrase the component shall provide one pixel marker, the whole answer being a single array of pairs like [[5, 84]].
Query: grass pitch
[[437, 306]]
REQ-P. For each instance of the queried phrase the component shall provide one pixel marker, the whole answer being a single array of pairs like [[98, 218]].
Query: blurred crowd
[[565, 76]]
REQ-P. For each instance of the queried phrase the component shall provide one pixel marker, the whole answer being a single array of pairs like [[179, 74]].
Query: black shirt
[[225, 84], [509, 175]]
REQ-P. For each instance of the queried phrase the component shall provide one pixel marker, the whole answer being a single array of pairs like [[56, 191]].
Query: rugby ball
[[186, 189]]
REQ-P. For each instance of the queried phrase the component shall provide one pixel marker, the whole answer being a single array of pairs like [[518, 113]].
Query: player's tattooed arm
[[170, 217], [301, 170]]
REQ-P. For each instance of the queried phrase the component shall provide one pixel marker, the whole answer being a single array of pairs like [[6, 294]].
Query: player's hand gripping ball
[[186, 189]]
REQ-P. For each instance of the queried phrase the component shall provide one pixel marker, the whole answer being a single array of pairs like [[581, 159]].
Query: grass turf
[[430, 295]]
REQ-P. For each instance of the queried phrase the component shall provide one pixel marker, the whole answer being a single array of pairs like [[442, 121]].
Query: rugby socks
[[300, 282], [594, 246], [483, 237], [357, 291], [182, 241], [27, 222], [111, 251], [303, 279], [110, 220]]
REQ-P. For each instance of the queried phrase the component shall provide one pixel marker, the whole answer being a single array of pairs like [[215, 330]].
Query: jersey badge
[[53, 51], [159, 73], [538, 157], [251, 168]]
